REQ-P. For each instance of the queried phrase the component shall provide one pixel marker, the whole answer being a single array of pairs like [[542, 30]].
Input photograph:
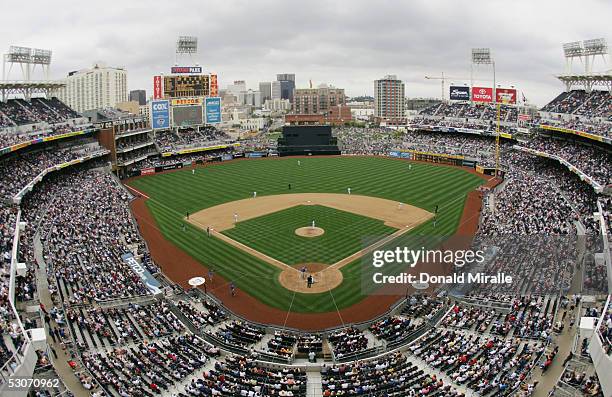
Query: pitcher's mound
[[325, 278], [309, 231]]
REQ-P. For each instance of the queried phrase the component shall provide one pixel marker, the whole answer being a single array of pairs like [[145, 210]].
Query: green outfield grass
[[274, 234], [173, 194]]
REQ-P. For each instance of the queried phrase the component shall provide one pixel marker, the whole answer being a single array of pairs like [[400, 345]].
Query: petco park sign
[[186, 69], [187, 101], [482, 94]]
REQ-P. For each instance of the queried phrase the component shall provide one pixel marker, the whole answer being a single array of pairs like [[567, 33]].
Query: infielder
[[235, 218], [348, 190], [254, 194]]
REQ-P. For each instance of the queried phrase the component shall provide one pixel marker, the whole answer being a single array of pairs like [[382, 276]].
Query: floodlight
[[573, 49], [187, 45], [41, 57], [481, 56], [595, 47], [18, 54]]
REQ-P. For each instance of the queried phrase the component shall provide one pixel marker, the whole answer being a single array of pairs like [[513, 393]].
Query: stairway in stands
[[314, 388]]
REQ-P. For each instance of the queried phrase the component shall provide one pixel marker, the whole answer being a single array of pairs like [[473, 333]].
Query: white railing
[[12, 365], [602, 360]]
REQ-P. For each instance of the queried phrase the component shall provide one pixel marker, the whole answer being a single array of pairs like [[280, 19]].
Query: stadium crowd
[[86, 228], [579, 102], [168, 140], [9, 138], [467, 111], [591, 160], [16, 112], [17, 171]]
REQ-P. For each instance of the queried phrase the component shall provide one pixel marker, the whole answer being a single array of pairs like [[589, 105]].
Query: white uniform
[[348, 190]]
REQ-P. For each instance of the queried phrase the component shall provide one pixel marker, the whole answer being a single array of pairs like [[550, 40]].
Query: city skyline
[[348, 47]]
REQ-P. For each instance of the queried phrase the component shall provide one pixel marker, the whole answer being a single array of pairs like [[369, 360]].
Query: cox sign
[[482, 94], [160, 114]]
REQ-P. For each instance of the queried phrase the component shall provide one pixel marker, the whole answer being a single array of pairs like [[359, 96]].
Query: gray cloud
[[345, 43]]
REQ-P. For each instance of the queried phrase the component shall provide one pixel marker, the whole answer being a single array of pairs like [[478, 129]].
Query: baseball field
[[213, 219]]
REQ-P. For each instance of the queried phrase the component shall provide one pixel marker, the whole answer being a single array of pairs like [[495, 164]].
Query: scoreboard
[[195, 85]]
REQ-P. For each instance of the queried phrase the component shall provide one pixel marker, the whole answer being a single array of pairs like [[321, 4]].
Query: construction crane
[[444, 78]]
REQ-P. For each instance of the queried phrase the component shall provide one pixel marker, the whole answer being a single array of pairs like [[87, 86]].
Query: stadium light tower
[[482, 56], [592, 48], [27, 58], [186, 45], [571, 51]]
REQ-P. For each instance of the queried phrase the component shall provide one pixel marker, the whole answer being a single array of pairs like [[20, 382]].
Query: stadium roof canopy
[[27, 88], [587, 81]]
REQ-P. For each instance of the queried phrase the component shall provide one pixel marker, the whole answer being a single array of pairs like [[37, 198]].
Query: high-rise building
[[389, 100], [253, 98], [236, 88], [96, 88], [317, 100], [287, 83], [266, 90], [275, 88], [139, 96], [249, 97], [277, 105]]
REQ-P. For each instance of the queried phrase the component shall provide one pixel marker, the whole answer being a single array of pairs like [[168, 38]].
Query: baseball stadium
[[176, 248]]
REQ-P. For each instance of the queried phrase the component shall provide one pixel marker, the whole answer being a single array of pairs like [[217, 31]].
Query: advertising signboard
[[160, 114], [213, 110], [482, 94], [505, 95], [186, 101], [214, 88], [458, 93], [141, 271], [157, 87]]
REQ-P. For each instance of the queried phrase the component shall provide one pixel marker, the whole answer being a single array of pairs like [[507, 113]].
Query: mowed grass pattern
[[274, 234], [173, 194]]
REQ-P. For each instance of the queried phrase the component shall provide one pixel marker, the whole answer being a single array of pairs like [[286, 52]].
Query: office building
[[276, 90], [277, 105], [266, 90], [236, 88], [287, 85], [317, 100], [249, 97], [96, 88], [389, 100], [139, 96]]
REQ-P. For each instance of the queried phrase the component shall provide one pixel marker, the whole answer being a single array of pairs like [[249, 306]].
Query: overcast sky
[[345, 43]]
